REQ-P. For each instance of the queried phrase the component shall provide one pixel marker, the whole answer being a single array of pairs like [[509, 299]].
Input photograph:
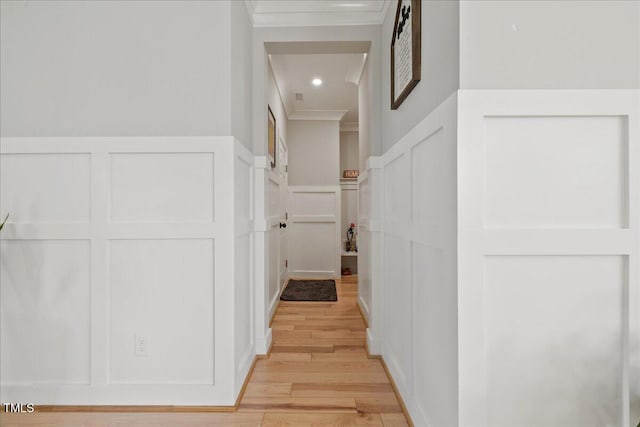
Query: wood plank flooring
[[317, 374]]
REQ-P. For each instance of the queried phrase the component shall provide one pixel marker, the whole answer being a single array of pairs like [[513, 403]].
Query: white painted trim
[[262, 225], [349, 127], [374, 162], [317, 114], [313, 274], [223, 230], [391, 180], [364, 308], [302, 14], [476, 241], [263, 344]]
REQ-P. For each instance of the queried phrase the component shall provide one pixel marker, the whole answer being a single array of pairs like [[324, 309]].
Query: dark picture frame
[[407, 10], [271, 137]]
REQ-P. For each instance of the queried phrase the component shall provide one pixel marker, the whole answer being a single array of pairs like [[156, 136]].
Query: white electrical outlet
[[141, 346]]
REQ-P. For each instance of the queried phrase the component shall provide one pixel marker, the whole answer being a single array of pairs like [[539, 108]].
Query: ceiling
[[335, 99], [276, 13]]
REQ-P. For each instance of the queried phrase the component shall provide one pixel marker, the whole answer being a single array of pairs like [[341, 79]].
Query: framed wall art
[[271, 138], [405, 51]]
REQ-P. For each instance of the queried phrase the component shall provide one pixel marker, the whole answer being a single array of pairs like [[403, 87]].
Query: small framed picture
[[271, 138]]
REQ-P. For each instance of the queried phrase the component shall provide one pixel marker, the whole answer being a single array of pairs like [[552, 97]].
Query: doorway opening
[[313, 101]]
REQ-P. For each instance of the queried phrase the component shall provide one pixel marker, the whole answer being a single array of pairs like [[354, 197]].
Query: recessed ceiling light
[[316, 82]]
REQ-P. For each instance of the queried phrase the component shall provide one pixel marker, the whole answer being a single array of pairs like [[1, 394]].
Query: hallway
[[318, 370]]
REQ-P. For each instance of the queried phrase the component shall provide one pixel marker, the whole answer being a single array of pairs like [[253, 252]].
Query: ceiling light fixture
[[316, 82]]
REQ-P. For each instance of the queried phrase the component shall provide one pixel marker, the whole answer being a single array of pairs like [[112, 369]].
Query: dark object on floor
[[346, 271], [310, 290]]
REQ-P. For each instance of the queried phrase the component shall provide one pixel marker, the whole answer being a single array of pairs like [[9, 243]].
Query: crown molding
[[318, 115], [293, 13]]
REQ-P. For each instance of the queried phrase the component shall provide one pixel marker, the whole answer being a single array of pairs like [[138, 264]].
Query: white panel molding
[[413, 317], [370, 257], [191, 158], [262, 224], [603, 240], [315, 216], [244, 297]]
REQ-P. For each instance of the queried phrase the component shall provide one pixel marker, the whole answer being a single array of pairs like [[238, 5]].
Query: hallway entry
[[318, 370]]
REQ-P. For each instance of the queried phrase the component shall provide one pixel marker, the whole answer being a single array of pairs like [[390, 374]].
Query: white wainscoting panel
[[261, 252], [244, 337], [549, 258], [553, 328], [555, 172], [314, 239], [59, 185], [110, 239], [161, 289], [37, 275], [414, 301], [176, 187], [364, 244]]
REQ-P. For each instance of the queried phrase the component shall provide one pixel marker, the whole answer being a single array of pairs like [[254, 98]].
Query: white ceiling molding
[[349, 127], [303, 13], [249, 5], [318, 115], [356, 73]]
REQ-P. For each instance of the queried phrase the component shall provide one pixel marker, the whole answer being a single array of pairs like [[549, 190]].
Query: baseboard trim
[[263, 345], [277, 304], [267, 354], [405, 411], [156, 408], [366, 321], [132, 408], [246, 383]]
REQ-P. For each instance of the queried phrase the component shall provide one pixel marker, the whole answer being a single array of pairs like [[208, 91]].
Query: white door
[[284, 215], [314, 235]]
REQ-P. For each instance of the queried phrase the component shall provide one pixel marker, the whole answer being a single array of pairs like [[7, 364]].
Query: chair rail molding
[[114, 240]]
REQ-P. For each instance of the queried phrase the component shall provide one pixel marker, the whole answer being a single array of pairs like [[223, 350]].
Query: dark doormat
[[310, 290]]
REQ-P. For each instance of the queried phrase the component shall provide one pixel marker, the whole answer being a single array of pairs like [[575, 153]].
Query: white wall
[[241, 95], [558, 44], [105, 68], [314, 152], [348, 151], [440, 68], [111, 239], [274, 100], [365, 118]]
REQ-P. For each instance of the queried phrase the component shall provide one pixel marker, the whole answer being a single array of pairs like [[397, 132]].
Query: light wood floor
[[317, 374]]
